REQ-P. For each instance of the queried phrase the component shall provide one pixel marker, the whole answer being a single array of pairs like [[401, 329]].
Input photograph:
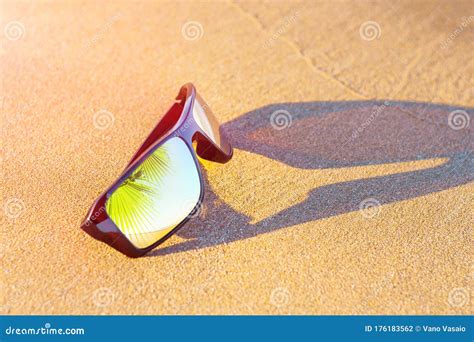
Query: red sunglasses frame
[[178, 122]]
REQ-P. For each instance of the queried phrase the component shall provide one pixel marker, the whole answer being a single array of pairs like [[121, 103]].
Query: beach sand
[[374, 100]]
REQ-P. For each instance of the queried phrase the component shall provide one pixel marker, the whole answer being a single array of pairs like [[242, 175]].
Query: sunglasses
[[162, 185]]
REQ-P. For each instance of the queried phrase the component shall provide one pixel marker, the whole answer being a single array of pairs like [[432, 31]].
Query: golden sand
[[282, 231]]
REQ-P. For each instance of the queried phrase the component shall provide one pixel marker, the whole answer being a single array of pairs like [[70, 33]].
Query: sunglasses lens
[[157, 196], [209, 124]]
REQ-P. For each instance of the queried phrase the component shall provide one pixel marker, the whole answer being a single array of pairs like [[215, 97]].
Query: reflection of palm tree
[[309, 172], [132, 206], [156, 166]]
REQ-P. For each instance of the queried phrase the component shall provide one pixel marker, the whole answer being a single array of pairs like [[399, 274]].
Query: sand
[[370, 89]]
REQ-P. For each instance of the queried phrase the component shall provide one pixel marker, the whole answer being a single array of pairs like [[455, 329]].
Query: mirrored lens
[[209, 124], [157, 196]]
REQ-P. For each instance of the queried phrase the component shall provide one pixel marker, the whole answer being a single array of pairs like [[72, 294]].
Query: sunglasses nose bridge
[[188, 129]]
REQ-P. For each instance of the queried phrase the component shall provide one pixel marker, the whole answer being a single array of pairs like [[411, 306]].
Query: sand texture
[[374, 102]]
